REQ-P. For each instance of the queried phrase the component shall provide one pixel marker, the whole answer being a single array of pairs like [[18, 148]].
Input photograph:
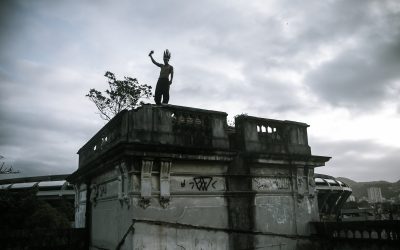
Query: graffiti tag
[[202, 183]]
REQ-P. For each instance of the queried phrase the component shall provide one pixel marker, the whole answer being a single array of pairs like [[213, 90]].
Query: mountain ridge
[[389, 189]]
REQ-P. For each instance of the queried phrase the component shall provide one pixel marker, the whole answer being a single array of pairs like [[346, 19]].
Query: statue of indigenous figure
[[163, 83]]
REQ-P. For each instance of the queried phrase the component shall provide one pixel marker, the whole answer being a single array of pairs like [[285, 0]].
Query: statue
[[163, 83]]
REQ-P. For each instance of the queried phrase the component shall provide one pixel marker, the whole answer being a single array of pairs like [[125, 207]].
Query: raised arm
[[154, 61]]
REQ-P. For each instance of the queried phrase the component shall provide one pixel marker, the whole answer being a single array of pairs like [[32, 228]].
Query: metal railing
[[382, 230]]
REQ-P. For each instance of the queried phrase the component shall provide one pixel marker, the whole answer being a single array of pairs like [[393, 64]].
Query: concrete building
[[374, 195], [171, 177]]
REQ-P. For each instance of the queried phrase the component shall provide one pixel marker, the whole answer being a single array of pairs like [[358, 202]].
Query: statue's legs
[[162, 91]]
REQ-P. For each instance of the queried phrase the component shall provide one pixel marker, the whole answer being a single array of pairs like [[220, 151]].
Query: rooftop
[[178, 132]]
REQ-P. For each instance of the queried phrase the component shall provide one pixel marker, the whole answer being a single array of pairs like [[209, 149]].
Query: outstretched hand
[[151, 53]]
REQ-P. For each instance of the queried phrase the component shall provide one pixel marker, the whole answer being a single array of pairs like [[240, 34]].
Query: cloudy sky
[[332, 64]]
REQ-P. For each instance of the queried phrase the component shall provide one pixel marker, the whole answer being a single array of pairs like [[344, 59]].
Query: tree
[[47, 217], [122, 94], [364, 204], [23, 209], [350, 205], [5, 169]]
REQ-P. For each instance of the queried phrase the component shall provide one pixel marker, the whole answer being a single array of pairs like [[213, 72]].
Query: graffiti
[[102, 190], [197, 184], [271, 183], [202, 183]]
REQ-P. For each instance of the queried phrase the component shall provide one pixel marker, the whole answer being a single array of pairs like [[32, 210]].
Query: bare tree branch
[[7, 170]]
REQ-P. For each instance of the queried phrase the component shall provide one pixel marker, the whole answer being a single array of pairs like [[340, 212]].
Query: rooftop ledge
[[171, 127]]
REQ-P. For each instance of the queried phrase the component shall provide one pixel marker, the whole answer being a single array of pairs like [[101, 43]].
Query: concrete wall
[[203, 211], [80, 205]]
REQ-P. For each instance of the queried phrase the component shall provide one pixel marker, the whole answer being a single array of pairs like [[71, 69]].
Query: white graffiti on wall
[[271, 183]]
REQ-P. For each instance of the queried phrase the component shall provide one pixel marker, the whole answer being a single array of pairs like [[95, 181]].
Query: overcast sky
[[332, 64]]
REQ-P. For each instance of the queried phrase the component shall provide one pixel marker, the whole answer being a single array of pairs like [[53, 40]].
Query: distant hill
[[348, 181], [388, 189]]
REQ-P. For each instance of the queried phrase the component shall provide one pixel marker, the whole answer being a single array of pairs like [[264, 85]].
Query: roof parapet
[[194, 129]]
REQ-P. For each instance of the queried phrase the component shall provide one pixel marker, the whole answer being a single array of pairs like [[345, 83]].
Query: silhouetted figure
[[163, 83]]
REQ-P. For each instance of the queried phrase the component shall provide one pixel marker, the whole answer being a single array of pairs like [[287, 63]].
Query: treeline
[[22, 209]]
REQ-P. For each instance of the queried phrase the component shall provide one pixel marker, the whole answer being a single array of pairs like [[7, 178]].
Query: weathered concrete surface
[[187, 181]]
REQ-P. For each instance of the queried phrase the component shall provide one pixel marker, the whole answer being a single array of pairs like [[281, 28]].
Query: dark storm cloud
[[367, 73], [39, 132], [361, 160], [362, 75], [361, 78], [39, 143]]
